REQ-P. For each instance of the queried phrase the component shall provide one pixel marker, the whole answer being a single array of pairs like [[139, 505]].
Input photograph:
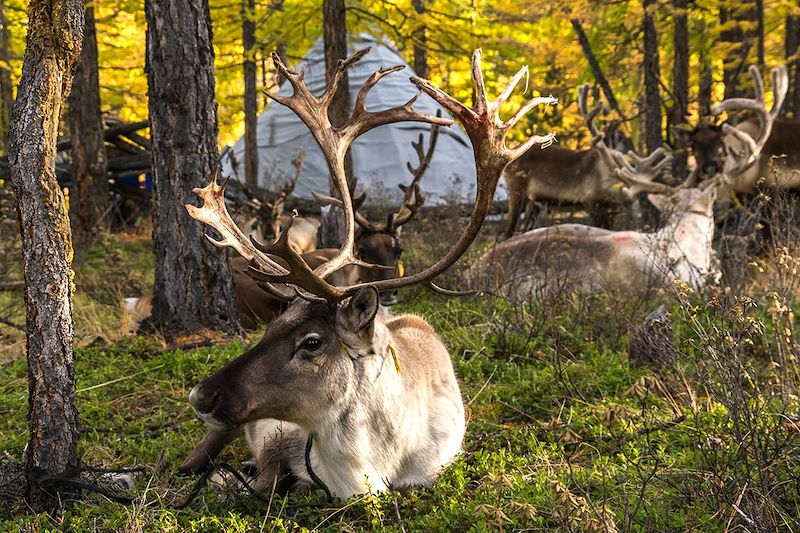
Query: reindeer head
[[300, 370]]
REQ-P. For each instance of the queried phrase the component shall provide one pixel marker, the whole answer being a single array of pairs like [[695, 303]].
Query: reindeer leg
[[514, 207], [206, 451]]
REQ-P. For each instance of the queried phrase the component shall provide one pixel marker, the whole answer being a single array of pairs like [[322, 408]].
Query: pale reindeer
[[373, 400], [741, 155], [269, 218], [583, 177]]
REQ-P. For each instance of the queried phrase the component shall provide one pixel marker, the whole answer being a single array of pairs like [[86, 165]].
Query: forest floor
[[564, 430]]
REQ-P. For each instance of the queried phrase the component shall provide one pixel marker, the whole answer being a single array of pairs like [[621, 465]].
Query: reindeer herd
[[339, 396]]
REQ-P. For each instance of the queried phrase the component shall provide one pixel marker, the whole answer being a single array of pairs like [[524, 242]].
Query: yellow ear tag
[[400, 270], [396, 361]]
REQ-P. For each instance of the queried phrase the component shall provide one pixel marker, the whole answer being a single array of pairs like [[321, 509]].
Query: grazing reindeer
[[532, 264], [741, 154], [266, 225], [373, 400], [562, 175], [379, 244]]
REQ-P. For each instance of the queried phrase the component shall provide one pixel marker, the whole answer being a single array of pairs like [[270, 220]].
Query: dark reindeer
[[740, 155], [584, 177], [373, 400]]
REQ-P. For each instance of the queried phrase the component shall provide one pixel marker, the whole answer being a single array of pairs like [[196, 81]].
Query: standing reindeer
[[741, 154], [373, 400], [559, 174]]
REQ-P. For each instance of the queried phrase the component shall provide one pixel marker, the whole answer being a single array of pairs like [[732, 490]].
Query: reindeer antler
[[482, 123], [752, 146], [640, 172]]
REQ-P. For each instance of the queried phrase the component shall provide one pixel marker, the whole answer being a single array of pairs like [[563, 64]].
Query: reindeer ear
[[657, 200], [360, 310]]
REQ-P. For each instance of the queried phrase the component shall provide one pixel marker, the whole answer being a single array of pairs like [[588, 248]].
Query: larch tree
[[85, 119], [420, 38], [250, 93], [53, 46], [193, 284], [680, 81], [334, 24], [791, 108], [652, 98], [6, 90]]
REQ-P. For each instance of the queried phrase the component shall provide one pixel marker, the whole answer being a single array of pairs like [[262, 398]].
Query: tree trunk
[[55, 34], [86, 130], [420, 38], [335, 37], [680, 78], [792, 43], [759, 14], [6, 90], [193, 284], [734, 16], [250, 93], [595, 66], [652, 73]]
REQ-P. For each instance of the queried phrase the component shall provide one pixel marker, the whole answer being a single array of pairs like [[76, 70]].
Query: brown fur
[[560, 175]]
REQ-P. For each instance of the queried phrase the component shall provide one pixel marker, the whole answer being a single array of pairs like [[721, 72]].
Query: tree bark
[[55, 34], [680, 78], [6, 90], [88, 148], [759, 14], [792, 45], [193, 284], [734, 15], [652, 73], [420, 38], [595, 66], [250, 93], [335, 37]]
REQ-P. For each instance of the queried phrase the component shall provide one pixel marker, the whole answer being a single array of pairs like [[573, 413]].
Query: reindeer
[[559, 174], [741, 154], [269, 219], [531, 265], [373, 400]]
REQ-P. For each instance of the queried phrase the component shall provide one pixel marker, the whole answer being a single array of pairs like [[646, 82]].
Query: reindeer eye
[[311, 344]]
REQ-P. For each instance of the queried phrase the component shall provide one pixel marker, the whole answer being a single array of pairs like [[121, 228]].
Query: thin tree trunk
[[193, 284], [6, 90], [759, 14], [734, 15], [86, 130], [595, 66], [652, 74], [335, 36], [792, 44], [680, 77], [250, 93], [55, 34], [420, 38]]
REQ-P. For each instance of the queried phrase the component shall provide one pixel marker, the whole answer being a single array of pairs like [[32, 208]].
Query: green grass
[[563, 432]]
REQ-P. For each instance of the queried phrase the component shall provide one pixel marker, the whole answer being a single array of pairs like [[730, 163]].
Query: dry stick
[[123, 378]]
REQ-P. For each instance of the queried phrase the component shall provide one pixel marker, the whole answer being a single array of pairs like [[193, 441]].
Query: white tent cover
[[379, 156]]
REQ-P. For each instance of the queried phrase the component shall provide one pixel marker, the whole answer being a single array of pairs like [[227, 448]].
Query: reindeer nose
[[201, 402]]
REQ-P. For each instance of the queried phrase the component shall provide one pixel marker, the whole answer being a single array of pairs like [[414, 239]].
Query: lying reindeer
[[373, 400], [742, 154], [532, 265], [269, 219], [583, 177]]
